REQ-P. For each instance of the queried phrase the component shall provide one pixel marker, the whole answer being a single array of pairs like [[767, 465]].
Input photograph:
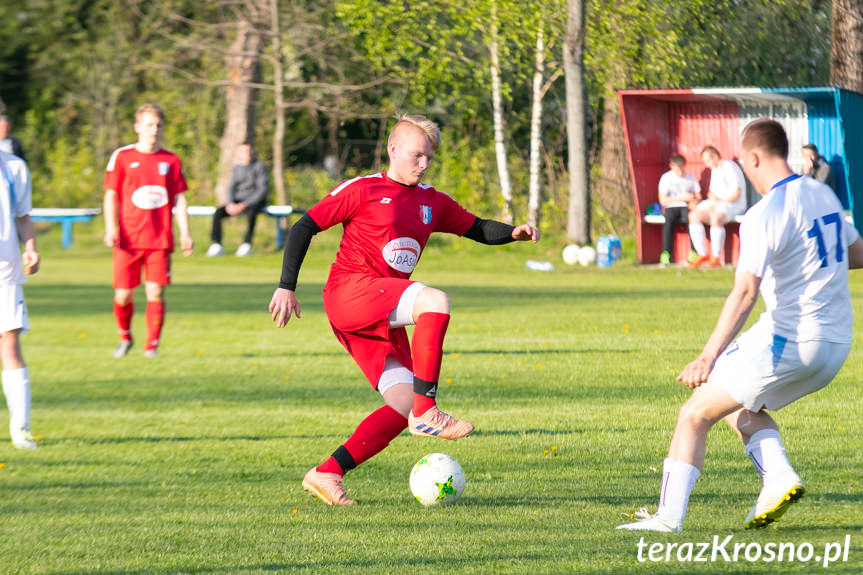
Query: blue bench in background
[[276, 212], [66, 217]]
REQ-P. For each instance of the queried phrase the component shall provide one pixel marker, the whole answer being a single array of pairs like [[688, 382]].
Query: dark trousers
[[673, 216], [251, 213]]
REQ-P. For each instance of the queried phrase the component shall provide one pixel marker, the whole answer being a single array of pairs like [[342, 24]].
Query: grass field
[[191, 463]]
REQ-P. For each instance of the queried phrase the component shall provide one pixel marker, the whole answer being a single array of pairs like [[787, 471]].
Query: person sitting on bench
[[247, 195]]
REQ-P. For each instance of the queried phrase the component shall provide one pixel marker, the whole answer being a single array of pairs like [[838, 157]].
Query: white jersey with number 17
[[795, 240]]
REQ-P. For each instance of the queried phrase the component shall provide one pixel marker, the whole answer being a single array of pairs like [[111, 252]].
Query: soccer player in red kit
[[143, 182], [369, 297]]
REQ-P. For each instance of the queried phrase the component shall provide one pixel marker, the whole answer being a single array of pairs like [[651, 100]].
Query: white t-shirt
[[15, 169], [678, 189], [726, 178], [795, 240]]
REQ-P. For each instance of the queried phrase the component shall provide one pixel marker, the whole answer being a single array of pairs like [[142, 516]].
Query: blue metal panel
[[827, 131], [850, 105]]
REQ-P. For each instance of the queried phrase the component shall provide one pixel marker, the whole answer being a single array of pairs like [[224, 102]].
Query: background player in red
[[369, 298], [143, 182]]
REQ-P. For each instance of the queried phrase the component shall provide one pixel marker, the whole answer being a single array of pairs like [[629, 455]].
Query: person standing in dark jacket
[[247, 195], [815, 166]]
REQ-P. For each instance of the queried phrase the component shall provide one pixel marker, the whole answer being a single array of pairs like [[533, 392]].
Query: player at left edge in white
[[15, 223]]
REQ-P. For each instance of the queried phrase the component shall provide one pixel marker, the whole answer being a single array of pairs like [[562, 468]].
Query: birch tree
[[507, 210]]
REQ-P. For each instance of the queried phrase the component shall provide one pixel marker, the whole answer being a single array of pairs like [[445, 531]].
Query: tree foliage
[[72, 73]]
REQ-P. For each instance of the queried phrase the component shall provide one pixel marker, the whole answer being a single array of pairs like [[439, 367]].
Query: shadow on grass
[[404, 565], [535, 351], [189, 438], [253, 298]]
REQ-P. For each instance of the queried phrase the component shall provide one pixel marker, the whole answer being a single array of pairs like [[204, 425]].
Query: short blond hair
[[426, 126], [150, 109]]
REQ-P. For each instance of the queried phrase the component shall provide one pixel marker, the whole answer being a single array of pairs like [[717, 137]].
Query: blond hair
[[426, 126], [150, 109]]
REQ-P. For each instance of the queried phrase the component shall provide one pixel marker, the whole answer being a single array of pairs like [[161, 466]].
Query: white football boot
[[648, 522], [23, 439], [777, 495]]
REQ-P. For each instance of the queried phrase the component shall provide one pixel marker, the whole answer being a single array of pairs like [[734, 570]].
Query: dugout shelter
[[659, 123]]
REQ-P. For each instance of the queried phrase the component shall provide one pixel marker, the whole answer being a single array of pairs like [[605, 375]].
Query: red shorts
[[128, 264], [358, 307]]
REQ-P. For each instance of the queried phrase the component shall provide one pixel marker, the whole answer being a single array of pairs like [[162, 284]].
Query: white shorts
[[762, 370], [401, 316], [13, 310], [730, 210]]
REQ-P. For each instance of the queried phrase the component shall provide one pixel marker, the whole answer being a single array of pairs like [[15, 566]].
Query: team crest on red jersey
[[425, 213], [164, 167]]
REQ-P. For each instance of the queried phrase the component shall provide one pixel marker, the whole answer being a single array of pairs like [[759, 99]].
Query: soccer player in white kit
[[796, 248], [15, 223]]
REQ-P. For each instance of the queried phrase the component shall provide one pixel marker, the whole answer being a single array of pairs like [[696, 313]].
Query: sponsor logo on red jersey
[[150, 197], [402, 254]]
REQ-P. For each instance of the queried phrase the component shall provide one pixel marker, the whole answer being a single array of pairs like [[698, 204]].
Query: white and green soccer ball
[[437, 479]]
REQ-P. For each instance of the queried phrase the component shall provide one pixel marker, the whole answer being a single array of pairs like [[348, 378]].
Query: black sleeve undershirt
[[490, 232], [296, 247]]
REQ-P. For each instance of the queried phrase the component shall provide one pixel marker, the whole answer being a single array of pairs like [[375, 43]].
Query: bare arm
[[734, 313], [109, 209], [182, 216], [733, 197], [855, 255], [27, 233]]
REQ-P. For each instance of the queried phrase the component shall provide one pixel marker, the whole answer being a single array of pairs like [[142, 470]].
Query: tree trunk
[[615, 192], [535, 138], [578, 215], [243, 67], [846, 52], [282, 195], [499, 144]]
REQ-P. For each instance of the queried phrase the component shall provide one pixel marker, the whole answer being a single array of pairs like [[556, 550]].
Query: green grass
[[191, 463]]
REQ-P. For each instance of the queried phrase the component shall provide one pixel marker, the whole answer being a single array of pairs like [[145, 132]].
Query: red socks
[[372, 435], [123, 313], [427, 353], [155, 318]]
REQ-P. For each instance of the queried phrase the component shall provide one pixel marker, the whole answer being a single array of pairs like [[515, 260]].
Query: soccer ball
[[586, 256], [437, 478], [570, 254]]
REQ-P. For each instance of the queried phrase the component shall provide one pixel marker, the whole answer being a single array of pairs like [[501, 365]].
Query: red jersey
[[386, 224], [147, 186]]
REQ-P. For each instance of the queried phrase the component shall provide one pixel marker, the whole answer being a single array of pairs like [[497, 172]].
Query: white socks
[[767, 453], [16, 387], [698, 237], [678, 479], [717, 240]]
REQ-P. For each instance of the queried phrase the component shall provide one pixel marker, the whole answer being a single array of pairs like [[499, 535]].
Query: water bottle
[[539, 266]]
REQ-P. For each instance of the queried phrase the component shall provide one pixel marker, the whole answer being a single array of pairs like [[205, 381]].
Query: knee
[[695, 416], [10, 350], [431, 300], [154, 292], [123, 296]]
